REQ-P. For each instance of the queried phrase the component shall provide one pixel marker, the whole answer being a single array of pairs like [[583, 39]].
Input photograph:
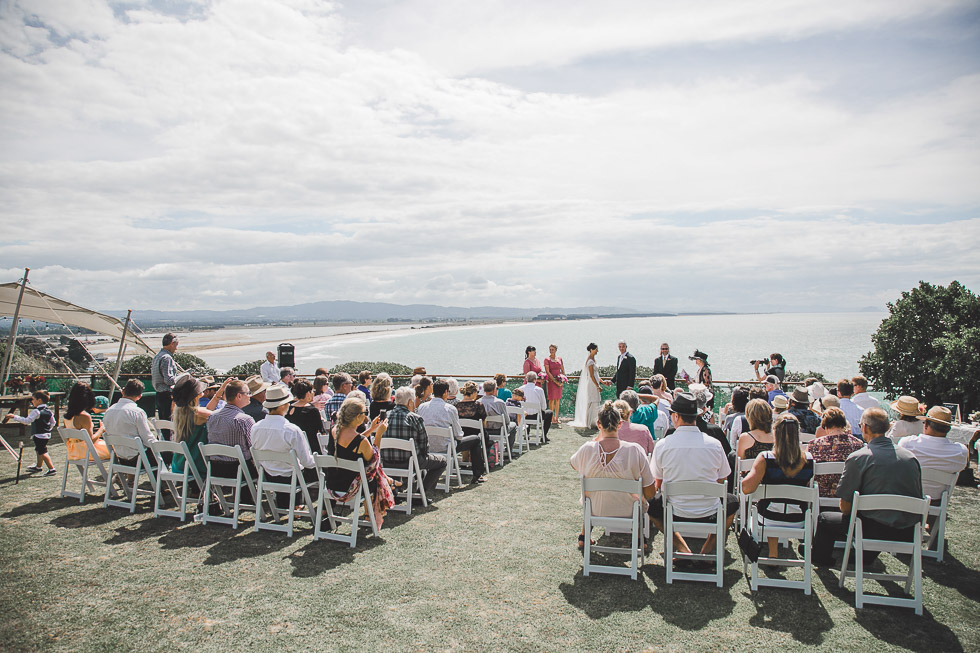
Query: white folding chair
[[323, 439], [802, 531], [162, 425], [215, 485], [325, 502], [715, 527], [497, 425], [118, 471], [534, 425], [91, 459], [618, 524], [658, 432], [825, 469], [743, 467], [855, 539], [267, 489], [521, 438], [172, 479], [937, 532], [478, 425], [806, 438], [441, 439], [412, 473]]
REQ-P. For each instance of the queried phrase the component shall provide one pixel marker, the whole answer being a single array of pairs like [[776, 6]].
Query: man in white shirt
[[853, 412], [934, 451], [436, 412], [690, 455], [274, 433], [535, 402], [495, 406], [861, 398], [126, 418], [269, 369]]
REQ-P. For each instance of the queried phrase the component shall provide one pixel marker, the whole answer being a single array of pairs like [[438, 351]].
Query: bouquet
[[15, 384]]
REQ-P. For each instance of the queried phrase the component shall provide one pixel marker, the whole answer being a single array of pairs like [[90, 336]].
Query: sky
[[661, 156]]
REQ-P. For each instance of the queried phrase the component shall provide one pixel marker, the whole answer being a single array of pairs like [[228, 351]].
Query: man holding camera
[[777, 367]]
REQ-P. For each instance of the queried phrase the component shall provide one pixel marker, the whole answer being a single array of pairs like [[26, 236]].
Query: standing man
[[625, 376], [269, 370], [666, 365], [164, 376]]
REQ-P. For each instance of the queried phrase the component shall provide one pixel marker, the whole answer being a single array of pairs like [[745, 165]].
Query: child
[[41, 420], [98, 412]]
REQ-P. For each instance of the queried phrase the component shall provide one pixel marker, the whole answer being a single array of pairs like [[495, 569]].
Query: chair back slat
[[694, 488], [890, 502], [605, 484]]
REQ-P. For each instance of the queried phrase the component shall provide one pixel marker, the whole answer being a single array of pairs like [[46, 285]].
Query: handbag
[[749, 547]]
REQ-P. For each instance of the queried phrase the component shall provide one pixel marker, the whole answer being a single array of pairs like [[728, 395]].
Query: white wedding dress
[[586, 399]]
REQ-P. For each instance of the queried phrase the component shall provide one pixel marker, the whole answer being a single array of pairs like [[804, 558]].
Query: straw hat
[[780, 402], [906, 405], [277, 396], [256, 385], [830, 401], [940, 414], [817, 391], [801, 396]]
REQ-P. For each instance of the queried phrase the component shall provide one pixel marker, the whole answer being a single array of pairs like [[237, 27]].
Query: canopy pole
[[9, 358], [122, 346]]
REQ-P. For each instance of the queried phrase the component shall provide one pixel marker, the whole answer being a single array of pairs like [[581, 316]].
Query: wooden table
[[22, 403]]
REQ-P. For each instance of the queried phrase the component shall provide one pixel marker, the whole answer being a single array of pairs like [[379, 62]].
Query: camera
[[759, 361], [383, 415]]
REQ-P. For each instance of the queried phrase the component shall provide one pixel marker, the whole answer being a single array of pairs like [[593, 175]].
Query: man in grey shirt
[[164, 374], [879, 468]]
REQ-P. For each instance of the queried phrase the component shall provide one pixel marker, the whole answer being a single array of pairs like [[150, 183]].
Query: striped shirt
[[230, 426]]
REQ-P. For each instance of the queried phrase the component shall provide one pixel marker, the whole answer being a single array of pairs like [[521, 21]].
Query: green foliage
[[77, 352], [141, 364], [927, 346], [25, 363], [245, 370], [803, 376], [354, 367]]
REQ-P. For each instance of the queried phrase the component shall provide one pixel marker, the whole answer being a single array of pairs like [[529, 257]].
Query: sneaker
[[51, 472], [33, 468], [481, 479]]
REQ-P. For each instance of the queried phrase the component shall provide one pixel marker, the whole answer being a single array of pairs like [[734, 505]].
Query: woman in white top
[[909, 421], [609, 457], [588, 396]]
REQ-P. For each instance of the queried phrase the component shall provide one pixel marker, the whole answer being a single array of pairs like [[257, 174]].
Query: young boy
[[41, 420], [101, 404]]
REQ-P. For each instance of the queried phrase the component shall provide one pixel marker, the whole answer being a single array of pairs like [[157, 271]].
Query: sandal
[[581, 541]]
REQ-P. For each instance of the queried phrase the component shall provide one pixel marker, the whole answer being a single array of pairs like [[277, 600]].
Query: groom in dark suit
[[625, 376], [666, 365]]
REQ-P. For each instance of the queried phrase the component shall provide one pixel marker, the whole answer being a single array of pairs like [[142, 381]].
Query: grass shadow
[[953, 574], [97, 516], [141, 530], [692, 605], [905, 630], [196, 536], [601, 595], [250, 545], [790, 611], [50, 504], [319, 556]]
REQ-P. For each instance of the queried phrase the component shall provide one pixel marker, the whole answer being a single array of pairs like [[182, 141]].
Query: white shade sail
[[46, 308]]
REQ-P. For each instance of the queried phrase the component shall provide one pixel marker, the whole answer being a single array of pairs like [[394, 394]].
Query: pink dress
[[534, 366], [554, 367]]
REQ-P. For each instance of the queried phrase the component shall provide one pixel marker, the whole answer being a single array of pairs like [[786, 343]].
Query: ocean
[[830, 343]]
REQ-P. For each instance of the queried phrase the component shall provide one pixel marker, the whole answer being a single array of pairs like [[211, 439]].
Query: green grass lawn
[[486, 568]]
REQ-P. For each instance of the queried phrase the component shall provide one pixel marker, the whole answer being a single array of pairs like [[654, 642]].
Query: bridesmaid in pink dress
[[555, 368], [532, 364]]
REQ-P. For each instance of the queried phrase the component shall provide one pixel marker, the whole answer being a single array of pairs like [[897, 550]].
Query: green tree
[[141, 364], [247, 369], [927, 347], [354, 367]]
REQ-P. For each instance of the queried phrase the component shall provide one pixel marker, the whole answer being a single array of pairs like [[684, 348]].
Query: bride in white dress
[[588, 398]]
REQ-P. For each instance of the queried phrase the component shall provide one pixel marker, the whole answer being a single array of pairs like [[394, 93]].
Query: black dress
[[378, 406], [340, 480], [309, 420]]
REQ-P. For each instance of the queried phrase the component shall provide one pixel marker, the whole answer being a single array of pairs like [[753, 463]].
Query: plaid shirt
[[231, 426], [332, 406], [404, 425]]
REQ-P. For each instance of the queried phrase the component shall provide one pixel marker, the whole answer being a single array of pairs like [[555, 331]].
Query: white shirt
[[693, 456], [629, 462], [437, 412], [864, 401], [853, 414], [936, 453], [126, 418], [534, 399], [274, 433], [900, 429], [270, 372]]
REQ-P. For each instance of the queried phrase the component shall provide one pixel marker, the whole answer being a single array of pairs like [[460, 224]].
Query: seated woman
[[453, 399], [609, 457], [190, 420], [347, 444], [469, 408], [304, 414], [629, 432], [834, 446], [81, 400], [909, 421], [785, 464], [381, 399], [759, 437]]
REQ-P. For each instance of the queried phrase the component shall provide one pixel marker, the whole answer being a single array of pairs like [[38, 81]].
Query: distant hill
[[346, 311]]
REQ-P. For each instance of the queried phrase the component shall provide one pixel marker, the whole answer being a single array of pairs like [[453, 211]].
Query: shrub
[[354, 367], [141, 364], [246, 369]]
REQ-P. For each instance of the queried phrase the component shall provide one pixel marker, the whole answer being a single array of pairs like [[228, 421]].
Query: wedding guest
[[347, 444], [934, 451], [773, 389], [759, 437], [642, 412], [453, 391], [735, 420], [502, 392], [833, 444], [780, 404], [190, 420], [280, 434], [607, 456], [164, 376], [630, 432], [423, 391], [470, 408], [303, 413], [287, 376], [210, 392], [756, 392], [535, 402], [381, 394], [322, 371], [321, 389], [364, 384], [800, 408], [494, 406], [861, 398], [256, 392], [342, 385], [231, 426], [405, 424], [81, 400], [437, 412], [125, 417], [98, 412], [702, 400], [845, 390], [704, 372], [554, 367], [909, 421]]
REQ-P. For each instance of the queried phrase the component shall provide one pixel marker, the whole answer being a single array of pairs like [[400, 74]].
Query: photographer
[[777, 367]]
